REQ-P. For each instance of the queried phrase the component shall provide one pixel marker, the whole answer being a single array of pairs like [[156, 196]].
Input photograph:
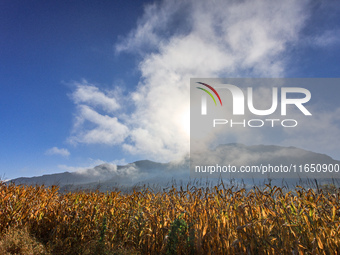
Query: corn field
[[177, 221]]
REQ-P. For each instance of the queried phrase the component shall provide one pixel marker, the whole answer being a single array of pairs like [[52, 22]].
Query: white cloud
[[226, 38], [179, 40], [152, 29], [107, 129], [57, 151], [86, 93], [92, 163], [105, 171], [92, 125]]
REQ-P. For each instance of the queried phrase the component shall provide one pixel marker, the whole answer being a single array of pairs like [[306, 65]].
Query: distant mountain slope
[[256, 155], [100, 173], [107, 176]]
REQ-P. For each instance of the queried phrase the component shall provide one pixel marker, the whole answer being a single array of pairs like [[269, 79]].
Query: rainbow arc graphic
[[209, 93]]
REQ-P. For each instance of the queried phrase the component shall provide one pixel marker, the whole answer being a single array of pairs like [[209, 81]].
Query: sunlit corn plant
[[210, 220]]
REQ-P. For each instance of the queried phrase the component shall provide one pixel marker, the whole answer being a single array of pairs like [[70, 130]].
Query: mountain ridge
[[151, 172]]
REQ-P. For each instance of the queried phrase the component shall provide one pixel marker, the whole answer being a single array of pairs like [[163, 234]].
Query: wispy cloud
[[90, 125], [89, 94], [326, 39], [56, 151], [92, 163], [104, 171]]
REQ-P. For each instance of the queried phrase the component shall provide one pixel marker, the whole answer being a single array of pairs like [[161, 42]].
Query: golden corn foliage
[[207, 221]]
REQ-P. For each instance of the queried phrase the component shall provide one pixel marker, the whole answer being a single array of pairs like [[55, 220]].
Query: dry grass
[[18, 241], [191, 221]]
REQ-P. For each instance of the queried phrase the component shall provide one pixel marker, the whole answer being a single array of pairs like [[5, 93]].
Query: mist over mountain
[[109, 176]]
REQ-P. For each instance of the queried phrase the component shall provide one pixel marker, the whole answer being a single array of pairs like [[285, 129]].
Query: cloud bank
[[177, 40]]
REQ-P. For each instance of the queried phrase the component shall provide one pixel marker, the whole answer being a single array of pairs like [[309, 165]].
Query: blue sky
[[87, 82]]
